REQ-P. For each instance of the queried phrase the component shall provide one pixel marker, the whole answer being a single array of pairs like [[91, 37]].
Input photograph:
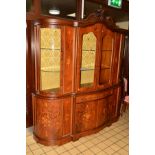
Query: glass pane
[[106, 59], [88, 59], [29, 4], [67, 8], [50, 58]]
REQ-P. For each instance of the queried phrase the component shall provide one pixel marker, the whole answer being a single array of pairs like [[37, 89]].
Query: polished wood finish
[[68, 57], [35, 10], [52, 119], [75, 111], [29, 76]]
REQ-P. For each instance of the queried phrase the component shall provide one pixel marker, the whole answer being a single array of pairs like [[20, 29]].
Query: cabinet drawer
[[91, 97]]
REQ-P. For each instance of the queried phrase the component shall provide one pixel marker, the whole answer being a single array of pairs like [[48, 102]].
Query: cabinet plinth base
[[93, 131], [74, 137], [61, 120], [52, 142]]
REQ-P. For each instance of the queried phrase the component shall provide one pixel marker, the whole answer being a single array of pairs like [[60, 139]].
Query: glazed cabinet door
[[119, 44], [54, 64], [87, 57], [106, 58], [48, 59]]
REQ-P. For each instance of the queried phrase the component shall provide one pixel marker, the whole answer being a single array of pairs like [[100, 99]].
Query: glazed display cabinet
[[77, 77]]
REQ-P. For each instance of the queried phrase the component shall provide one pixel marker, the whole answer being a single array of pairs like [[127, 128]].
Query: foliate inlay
[[49, 118], [85, 115]]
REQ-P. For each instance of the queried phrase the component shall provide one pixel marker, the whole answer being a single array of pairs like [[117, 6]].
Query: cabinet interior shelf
[[43, 70], [106, 50], [52, 90], [86, 84], [50, 49], [88, 50], [86, 69]]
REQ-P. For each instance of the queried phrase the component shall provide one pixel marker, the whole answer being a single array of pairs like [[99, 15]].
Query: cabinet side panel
[[114, 103], [117, 57], [29, 76], [68, 59], [117, 99], [66, 116]]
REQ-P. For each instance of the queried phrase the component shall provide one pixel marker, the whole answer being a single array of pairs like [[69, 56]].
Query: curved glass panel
[[88, 59], [50, 59], [106, 59]]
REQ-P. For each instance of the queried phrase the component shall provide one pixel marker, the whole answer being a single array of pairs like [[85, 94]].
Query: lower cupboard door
[[85, 117], [48, 118], [111, 108]]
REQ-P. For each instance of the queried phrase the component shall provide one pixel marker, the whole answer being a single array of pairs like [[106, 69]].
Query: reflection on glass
[[107, 46], [88, 59], [50, 59]]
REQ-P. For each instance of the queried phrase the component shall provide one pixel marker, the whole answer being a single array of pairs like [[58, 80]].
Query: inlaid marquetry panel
[[85, 116], [48, 118], [102, 114]]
